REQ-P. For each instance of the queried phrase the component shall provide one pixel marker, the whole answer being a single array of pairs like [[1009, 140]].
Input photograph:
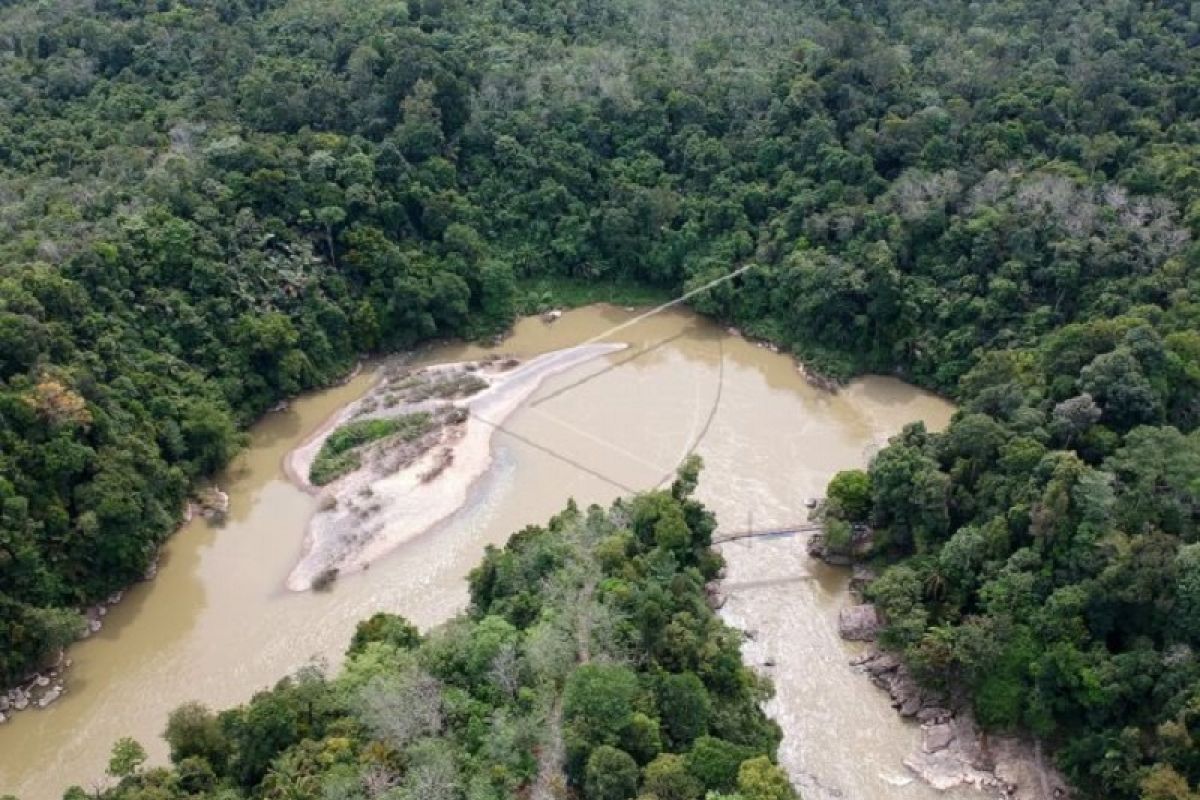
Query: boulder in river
[[214, 504], [819, 548], [843, 554], [859, 623], [936, 737], [862, 577], [890, 674], [819, 381], [49, 697], [934, 715]]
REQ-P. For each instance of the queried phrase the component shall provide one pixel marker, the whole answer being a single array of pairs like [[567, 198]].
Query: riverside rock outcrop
[[889, 673], [38, 691], [954, 751], [817, 380], [862, 539], [859, 623], [818, 547], [213, 504], [861, 577], [48, 685]]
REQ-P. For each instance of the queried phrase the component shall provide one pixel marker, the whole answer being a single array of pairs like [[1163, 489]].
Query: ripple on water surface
[[216, 624]]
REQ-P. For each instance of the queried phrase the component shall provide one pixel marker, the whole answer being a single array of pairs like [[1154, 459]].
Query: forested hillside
[[590, 658], [206, 206]]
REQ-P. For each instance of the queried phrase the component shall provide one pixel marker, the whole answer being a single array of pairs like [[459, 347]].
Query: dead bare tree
[[378, 779], [505, 671], [400, 708]]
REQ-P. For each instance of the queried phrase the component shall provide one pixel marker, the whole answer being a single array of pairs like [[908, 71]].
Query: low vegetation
[[539, 295], [444, 387], [341, 451]]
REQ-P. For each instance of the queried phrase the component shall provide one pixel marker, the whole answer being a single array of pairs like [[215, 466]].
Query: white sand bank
[[398, 494]]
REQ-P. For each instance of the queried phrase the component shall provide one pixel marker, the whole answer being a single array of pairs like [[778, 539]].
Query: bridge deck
[[756, 533]]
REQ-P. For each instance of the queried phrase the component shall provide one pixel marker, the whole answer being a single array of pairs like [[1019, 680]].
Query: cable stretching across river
[[657, 309], [712, 413]]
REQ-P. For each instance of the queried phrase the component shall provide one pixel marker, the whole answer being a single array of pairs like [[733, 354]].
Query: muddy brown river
[[218, 624]]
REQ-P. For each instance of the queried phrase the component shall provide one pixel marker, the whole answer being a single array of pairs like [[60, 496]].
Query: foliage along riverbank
[[1040, 556], [208, 207], [590, 658]]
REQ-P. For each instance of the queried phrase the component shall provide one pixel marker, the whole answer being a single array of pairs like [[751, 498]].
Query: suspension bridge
[[720, 537]]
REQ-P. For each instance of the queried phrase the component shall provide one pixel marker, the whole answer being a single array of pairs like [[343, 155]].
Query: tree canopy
[[208, 206], [501, 703]]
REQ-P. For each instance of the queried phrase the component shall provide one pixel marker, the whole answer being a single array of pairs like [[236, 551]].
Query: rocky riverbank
[[49, 684], [38, 691], [841, 555], [817, 380], [954, 751]]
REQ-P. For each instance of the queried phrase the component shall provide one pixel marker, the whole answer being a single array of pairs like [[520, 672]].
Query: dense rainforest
[[209, 205], [590, 658]]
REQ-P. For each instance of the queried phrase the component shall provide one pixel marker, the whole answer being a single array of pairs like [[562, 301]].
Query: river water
[[218, 624]]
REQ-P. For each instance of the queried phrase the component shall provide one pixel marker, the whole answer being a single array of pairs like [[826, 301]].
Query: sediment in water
[[405, 486]]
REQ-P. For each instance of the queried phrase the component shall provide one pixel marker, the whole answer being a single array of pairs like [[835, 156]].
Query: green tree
[[849, 495], [126, 759], [612, 774], [330, 217], [196, 775], [759, 779], [195, 732], [598, 699], [684, 705], [1122, 390], [383, 627], [715, 762], [642, 739], [911, 496], [420, 134], [671, 530], [667, 778]]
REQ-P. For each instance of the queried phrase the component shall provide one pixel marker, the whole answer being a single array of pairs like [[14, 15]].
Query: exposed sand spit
[[404, 486]]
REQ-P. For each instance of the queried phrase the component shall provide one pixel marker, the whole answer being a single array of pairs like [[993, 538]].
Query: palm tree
[[935, 583], [287, 781]]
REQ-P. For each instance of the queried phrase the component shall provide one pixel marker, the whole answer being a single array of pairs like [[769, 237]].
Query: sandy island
[[404, 486]]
